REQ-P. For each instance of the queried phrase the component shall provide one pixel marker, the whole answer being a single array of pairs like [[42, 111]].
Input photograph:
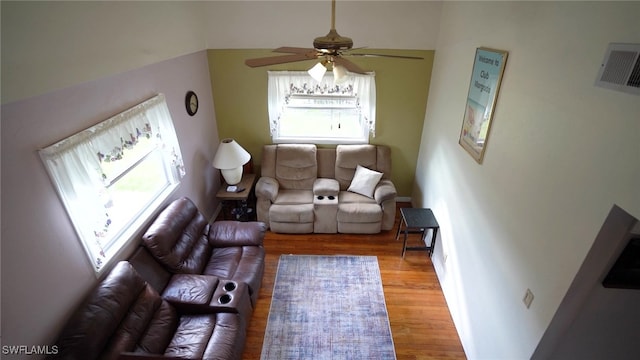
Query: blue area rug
[[328, 307]]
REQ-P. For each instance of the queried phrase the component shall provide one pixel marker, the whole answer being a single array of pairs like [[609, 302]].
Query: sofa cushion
[[214, 336], [296, 166], [348, 157], [228, 343], [364, 181], [178, 238], [148, 327], [190, 288], [301, 213], [346, 197], [231, 233], [326, 162], [359, 213], [122, 314], [326, 187], [293, 197]]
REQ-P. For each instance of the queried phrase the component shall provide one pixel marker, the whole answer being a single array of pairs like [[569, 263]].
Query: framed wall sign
[[486, 76]]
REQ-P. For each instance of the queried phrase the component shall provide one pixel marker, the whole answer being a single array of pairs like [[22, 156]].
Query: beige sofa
[[306, 189]]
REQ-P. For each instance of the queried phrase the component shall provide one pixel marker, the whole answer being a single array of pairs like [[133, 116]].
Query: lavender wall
[[45, 271]]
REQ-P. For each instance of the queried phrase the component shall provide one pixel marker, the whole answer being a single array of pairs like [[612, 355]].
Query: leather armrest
[[267, 188], [190, 288], [326, 187], [235, 233], [227, 296], [384, 191]]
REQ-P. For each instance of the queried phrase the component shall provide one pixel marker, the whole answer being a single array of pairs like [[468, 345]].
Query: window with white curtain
[[303, 110], [112, 176]]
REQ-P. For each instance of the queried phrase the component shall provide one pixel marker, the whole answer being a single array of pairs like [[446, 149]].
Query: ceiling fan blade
[[293, 50], [348, 65], [385, 55], [282, 59]]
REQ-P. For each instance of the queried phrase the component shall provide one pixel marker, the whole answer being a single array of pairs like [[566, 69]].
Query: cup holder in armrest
[[225, 299], [233, 297], [323, 197], [230, 286]]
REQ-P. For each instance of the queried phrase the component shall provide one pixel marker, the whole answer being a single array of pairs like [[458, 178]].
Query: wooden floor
[[420, 321]]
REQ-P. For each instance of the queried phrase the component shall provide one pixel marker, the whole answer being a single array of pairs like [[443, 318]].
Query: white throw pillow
[[364, 181]]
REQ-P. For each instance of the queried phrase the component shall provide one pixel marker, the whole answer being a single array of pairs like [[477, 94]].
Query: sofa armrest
[[267, 188], [326, 187], [235, 233], [190, 288], [385, 190]]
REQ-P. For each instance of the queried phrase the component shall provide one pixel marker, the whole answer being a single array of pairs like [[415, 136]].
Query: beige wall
[[560, 154], [240, 97]]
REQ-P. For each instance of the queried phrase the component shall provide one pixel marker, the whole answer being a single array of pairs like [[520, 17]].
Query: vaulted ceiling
[[51, 45]]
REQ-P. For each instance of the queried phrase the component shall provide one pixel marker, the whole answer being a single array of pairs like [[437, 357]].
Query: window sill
[[324, 141]]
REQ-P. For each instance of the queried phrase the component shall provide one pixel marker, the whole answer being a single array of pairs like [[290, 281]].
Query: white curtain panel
[[74, 165]]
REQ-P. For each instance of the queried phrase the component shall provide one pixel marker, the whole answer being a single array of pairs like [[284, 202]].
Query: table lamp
[[230, 158]]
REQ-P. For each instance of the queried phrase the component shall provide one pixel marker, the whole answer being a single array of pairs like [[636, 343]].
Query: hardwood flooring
[[420, 321]]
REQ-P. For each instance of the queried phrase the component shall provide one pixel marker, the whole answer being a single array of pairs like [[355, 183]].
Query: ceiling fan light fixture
[[339, 73], [317, 71]]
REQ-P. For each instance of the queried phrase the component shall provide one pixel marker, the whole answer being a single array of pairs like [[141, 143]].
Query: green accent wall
[[402, 87]]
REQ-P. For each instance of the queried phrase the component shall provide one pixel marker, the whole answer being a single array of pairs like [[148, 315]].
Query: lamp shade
[[339, 73], [229, 159], [317, 71]]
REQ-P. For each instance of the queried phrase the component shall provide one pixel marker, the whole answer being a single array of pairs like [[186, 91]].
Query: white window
[[112, 176], [303, 110]]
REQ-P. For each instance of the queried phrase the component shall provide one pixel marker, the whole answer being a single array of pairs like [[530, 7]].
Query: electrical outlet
[[528, 298], [445, 257]]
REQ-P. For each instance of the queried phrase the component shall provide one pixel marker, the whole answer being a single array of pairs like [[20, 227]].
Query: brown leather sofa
[[182, 240], [124, 317], [187, 292]]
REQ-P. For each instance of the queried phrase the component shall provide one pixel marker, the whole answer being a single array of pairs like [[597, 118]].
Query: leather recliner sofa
[[124, 317], [187, 292], [306, 189], [181, 239]]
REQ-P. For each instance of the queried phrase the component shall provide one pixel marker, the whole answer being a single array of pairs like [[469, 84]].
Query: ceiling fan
[[329, 49]]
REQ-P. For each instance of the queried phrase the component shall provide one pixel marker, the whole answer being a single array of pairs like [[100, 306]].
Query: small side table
[[418, 221], [238, 205]]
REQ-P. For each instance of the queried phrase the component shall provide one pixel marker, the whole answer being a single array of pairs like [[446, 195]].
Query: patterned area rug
[[328, 307]]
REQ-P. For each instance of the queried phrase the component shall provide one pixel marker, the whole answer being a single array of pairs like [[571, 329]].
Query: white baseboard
[[403, 199]]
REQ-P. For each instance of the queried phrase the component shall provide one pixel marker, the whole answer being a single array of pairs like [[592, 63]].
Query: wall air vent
[[620, 69]]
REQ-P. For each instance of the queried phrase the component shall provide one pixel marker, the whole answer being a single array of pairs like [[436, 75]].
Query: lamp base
[[232, 176]]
